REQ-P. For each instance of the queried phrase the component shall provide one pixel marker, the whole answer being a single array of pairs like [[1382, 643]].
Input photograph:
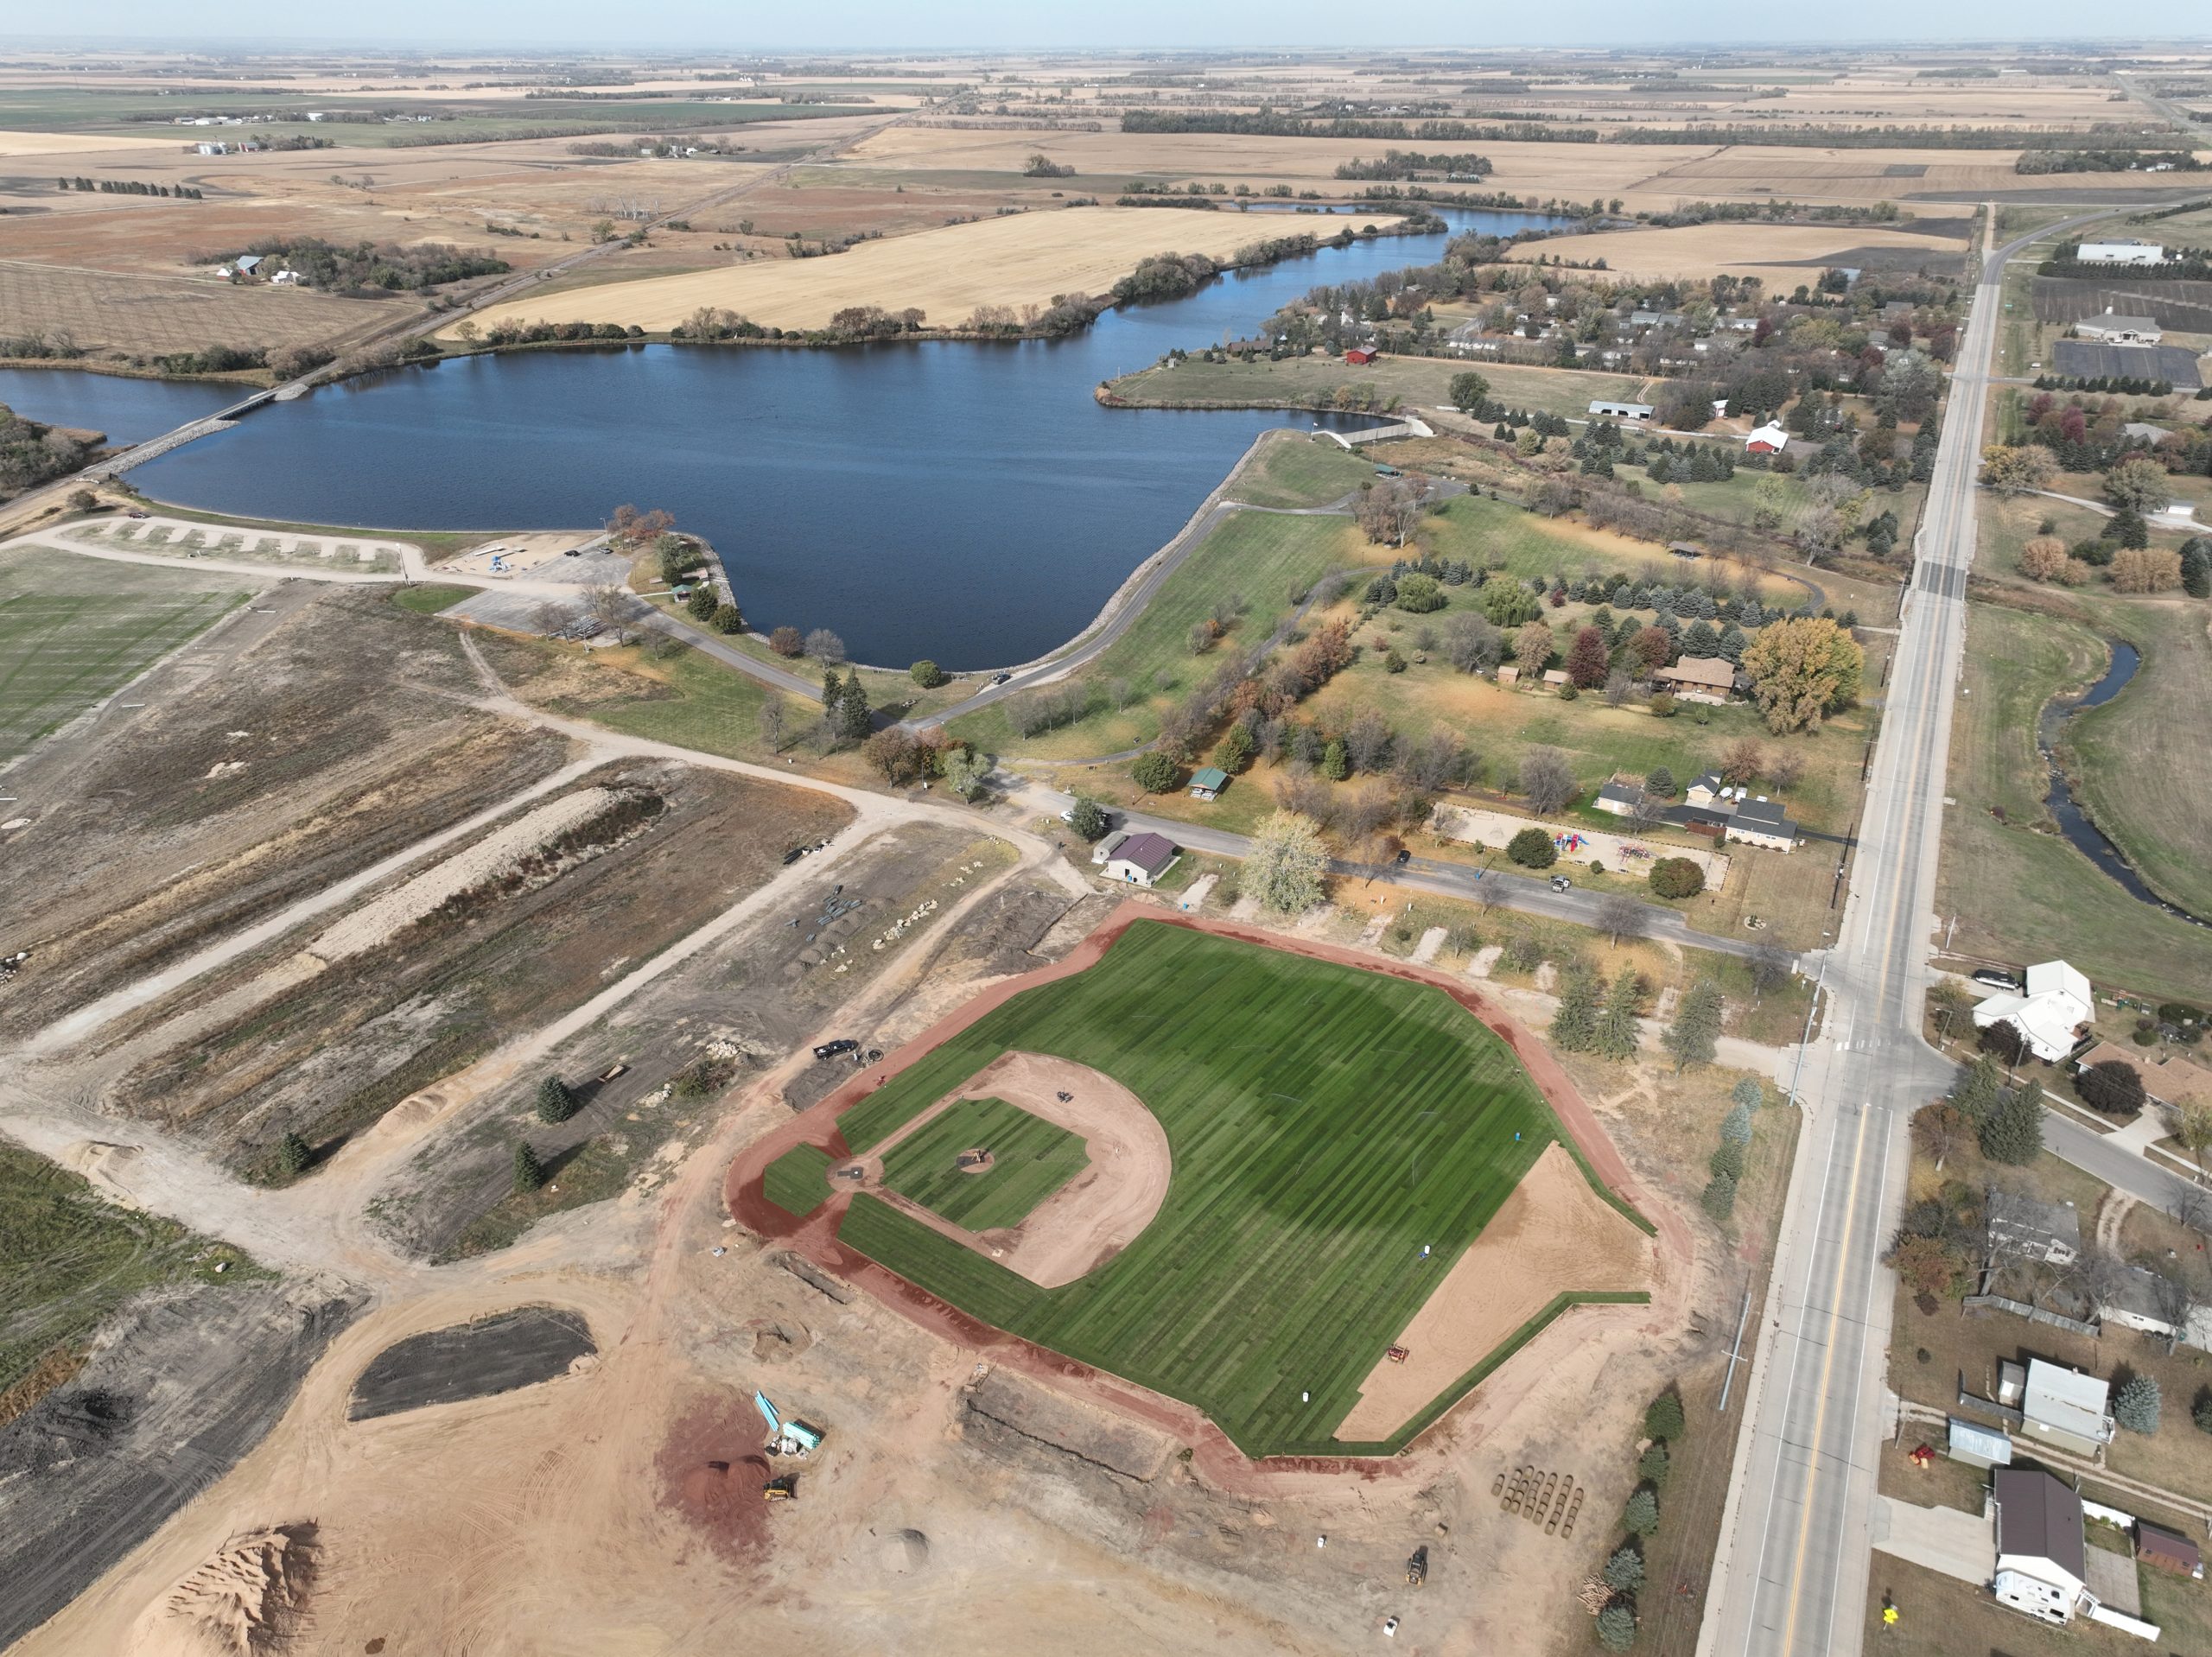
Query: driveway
[[1942, 1538]]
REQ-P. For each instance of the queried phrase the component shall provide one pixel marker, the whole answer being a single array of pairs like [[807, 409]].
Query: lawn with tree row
[[1325, 1123], [1031, 1158]]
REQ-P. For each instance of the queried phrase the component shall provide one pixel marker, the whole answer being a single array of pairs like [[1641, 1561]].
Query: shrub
[[1532, 848], [2136, 1405], [1663, 1417], [1155, 773], [927, 674], [554, 1103], [1616, 1628], [1676, 876], [2202, 1414], [1641, 1516], [293, 1155], [728, 618], [1719, 1198], [1087, 818], [701, 602], [1394, 662], [786, 641], [1662, 705]]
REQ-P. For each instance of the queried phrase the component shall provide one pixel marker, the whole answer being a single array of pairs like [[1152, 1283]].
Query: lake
[[970, 502]]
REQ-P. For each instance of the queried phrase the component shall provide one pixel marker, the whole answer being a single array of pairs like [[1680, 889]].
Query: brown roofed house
[[1700, 678]]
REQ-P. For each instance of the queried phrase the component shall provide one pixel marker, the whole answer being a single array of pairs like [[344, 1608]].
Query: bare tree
[[1939, 1130], [1119, 691], [1620, 916], [1546, 779], [2193, 1208], [551, 616], [1367, 741], [609, 604], [825, 646], [2176, 1299], [771, 723], [1772, 962]]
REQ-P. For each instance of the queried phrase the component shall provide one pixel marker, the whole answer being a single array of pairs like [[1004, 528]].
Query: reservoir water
[[968, 503]]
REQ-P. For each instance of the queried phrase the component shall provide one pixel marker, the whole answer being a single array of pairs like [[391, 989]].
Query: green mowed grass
[[72, 632], [798, 1180], [1031, 1158], [1325, 1124]]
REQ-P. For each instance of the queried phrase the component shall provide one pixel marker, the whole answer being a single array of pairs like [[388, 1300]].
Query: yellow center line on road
[[1821, 1415]]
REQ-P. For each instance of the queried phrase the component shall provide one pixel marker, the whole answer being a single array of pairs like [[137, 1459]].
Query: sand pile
[[376, 922], [241, 1602]]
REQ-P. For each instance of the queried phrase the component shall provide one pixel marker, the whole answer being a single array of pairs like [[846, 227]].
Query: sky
[[1013, 25]]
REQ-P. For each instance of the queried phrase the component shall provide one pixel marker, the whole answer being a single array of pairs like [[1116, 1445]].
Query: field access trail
[[1791, 1571]]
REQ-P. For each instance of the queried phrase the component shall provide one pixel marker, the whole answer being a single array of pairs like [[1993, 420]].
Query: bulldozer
[[1417, 1567], [784, 1488]]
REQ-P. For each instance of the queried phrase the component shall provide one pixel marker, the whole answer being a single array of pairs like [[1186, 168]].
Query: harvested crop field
[[151, 314], [1553, 1237], [1023, 259], [1326, 1124], [1778, 253]]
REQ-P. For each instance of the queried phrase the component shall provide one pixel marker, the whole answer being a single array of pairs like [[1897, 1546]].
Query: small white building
[[2050, 1016], [2117, 330], [1140, 860], [285, 279], [2041, 1567], [2129, 252], [1600, 409]]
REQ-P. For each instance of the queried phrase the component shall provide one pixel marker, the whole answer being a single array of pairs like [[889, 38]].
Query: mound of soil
[[711, 1470], [245, 1601]]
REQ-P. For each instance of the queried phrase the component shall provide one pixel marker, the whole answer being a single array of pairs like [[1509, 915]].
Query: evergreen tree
[[1748, 1093], [1976, 1094], [1641, 1516], [1727, 1160], [1694, 1036], [2197, 566], [833, 689], [293, 1155], [1736, 1126], [853, 716], [1700, 639], [1624, 1571], [2136, 1406], [1719, 1198], [1616, 1628], [1732, 643], [1574, 1026], [1653, 1466], [529, 1172], [2012, 1132], [1336, 765], [1663, 1418], [1619, 1034], [554, 1103]]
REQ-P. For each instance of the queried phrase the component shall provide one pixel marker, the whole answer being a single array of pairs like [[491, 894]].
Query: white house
[[1140, 859], [2058, 1004], [2066, 1407], [1769, 439], [2041, 1568], [2130, 252], [1762, 822], [285, 279], [2118, 330]]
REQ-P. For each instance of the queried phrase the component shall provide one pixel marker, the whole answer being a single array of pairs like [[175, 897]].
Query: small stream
[[2075, 822]]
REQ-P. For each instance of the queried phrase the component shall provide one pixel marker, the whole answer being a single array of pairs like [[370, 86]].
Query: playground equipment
[[1569, 840], [793, 1437]]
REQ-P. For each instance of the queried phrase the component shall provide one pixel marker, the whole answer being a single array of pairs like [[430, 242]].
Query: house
[[1508, 677], [1686, 550], [2168, 1078], [1707, 789], [2128, 252], [1602, 410], [1700, 678], [1140, 860], [2065, 1407], [1621, 799], [1557, 676], [1761, 823], [2120, 330], [2156, 1545], [1769, 439], [2041, 1567], [1208, 783], [285, 279], [248, 263], [1360, 356], [2058, 1002], [1977, 1446], [211, 148], [2020, 1227], [2142, 431]]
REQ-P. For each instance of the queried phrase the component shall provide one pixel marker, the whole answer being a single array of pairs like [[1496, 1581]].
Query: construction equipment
[[1397, 1355], [792, 1437], [1417, 1567], [782, 1489]]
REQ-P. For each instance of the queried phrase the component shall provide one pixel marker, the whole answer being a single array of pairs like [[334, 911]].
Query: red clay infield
[[815, 1237]]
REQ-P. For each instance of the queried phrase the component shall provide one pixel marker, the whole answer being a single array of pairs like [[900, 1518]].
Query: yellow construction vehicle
[[784, 1488]]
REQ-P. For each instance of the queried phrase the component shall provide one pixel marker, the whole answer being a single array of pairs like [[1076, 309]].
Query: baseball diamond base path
[[1216, 1456], [1554, 1236], [1085, 1222]]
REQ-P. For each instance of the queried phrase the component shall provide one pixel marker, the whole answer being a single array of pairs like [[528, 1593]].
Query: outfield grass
[[798, 1180], [1031, 1160], [1325, 1124], [2019, 892], [73, 629], [68, 1258]]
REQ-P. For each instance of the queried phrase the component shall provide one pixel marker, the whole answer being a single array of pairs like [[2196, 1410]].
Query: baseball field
[[1338, 1139]]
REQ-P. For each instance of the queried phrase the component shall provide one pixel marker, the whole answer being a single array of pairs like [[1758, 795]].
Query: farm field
[[1420, 384], [1781, 255], [71, 632], [1327, 1124], [1999, 841], [152, 315], [1023, 259], [1031, 1160]]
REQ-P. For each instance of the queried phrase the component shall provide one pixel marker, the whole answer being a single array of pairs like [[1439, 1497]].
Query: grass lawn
[[1263, 556], [429, 599], [1418, 383], [73, 629], [1501, 534], [1326, 1125], [1031, 1160], [2144, 766], [2019, 892], [67, 1259], [798, 1180], [1300, 472], [709, 707]]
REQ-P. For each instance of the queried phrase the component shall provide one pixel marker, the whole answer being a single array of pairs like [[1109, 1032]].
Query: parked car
[[1000, 678], [831, 1049], [1560, 883], [1993, 978]]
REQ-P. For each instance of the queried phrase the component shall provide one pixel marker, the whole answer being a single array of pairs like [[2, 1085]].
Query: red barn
[[1360, 354]]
